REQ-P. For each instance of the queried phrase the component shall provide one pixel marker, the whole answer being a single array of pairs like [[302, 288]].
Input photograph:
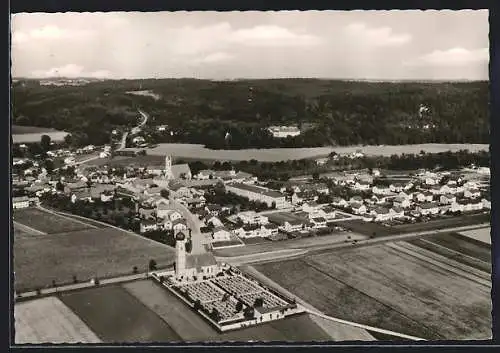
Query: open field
[[193, 328], [367, 228], [117, 316], [47, 222], [19, 129], [25, 137], [48, 320], [317, 242], [283, 154], [452, 254], [40, 259], [139, 161], [481, 234], [89, 221], [382, 287], [463, 244]]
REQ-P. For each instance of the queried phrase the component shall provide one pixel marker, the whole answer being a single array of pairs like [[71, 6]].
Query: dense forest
[[328, 112]]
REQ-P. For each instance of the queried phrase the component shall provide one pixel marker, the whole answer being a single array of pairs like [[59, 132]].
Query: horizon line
[[255, 79]]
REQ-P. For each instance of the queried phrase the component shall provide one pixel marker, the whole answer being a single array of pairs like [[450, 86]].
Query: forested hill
[[329, 112]]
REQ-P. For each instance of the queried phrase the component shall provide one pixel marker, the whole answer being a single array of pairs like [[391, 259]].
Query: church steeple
[[168, 167]]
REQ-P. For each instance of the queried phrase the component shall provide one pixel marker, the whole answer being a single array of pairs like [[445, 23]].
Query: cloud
[[48, 32], [190, 40], [70, 71], [451, 57], [214, 58], [380, 37], [272, 36]]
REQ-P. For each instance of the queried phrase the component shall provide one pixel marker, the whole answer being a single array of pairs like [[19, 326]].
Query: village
[[234, 208]]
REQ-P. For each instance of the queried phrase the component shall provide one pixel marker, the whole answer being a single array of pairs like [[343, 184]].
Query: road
[[86, 284], [198, 239], [134, 130], [298, 252]]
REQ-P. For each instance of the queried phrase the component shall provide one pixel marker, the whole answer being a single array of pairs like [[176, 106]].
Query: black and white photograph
[[250, 176]]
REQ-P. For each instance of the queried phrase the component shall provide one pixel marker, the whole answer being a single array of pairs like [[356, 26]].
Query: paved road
[[86, 284], [295, 252], [135, 130], [269, 256], [194, 224]]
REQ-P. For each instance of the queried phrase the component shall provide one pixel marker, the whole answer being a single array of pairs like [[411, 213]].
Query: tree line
[[235, 115]]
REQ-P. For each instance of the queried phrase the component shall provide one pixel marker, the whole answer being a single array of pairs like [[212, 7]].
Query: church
[[171, 171], [192, 266]]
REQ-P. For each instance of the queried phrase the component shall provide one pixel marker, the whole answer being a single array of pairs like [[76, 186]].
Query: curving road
[[134, 130]]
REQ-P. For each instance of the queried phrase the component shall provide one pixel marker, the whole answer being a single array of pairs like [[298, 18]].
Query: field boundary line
[[36, 231], [120, 229], [365, 327], [63, 216], [396, 310], [446, 267], [454, 251]]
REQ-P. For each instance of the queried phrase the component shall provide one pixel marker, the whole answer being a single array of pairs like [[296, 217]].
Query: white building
[[284, 131], [252, 217], [428, 209], [221, 234], [20, 202], [257, 193]]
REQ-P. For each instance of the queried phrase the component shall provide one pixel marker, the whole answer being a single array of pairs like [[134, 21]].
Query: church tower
[[168, 167], [180, 254]]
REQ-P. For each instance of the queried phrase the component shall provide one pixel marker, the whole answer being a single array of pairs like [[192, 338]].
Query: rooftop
[[257, 190]]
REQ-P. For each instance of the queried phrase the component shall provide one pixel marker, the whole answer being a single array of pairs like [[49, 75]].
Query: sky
[[373, 45]]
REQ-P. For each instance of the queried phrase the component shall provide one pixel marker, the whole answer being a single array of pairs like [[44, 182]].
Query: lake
[[182, 150]]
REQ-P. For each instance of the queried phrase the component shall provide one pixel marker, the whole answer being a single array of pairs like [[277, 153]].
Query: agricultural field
[[48, 320], [367, 228], [462, 244], [143, 311], [124, 161], [193, 328], [105, 252], [48, 222], [115, 315], [481, 234], [382, 287]]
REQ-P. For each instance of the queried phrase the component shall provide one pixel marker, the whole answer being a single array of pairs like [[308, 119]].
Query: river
[[182, 150]]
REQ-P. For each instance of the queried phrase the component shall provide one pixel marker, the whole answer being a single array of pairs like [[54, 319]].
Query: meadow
[[105, 252], [182, 150]]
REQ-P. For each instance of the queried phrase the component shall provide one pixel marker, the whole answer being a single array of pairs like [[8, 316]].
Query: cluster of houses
[[424, 195]]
